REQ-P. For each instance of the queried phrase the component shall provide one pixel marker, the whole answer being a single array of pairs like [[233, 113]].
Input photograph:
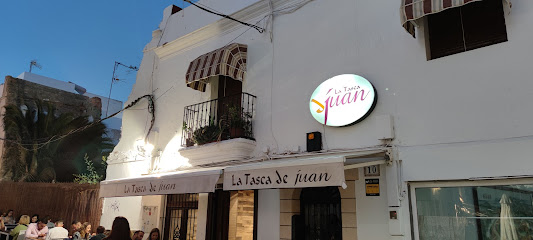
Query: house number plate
[[372, 171]]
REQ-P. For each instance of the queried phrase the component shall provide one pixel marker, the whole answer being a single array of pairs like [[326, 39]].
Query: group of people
[[38, 229], [121, 231]]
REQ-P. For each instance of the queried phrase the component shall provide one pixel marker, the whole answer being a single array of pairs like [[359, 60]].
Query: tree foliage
[[38, 160], [92, 176]]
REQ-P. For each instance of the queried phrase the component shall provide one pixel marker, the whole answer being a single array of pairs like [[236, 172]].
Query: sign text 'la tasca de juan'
[[343, 100]]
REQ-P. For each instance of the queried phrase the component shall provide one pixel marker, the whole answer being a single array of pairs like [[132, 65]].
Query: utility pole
[[113, 79]]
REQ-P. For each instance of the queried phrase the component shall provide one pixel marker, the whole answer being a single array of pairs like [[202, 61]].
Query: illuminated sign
[[343, 100]]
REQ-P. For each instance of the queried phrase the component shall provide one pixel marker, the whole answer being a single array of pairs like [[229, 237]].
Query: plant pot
[[236, 132], [189, 142]]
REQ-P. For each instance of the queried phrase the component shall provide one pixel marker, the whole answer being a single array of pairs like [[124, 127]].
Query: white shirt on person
[[57, 233]]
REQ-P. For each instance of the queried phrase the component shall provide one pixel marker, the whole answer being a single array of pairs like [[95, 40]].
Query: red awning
[[228, 61]]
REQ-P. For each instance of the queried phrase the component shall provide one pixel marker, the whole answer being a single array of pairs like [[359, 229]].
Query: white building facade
[[442, 153]]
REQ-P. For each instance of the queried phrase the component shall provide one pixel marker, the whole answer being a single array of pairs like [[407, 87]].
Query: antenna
[[34, 63], [114, 79]]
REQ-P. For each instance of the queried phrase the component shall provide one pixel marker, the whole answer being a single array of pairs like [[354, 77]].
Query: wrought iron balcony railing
[[219, 119]]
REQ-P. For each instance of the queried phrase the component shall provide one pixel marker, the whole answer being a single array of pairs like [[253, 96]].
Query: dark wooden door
[[229, 103], [228, 86], [229, 94], [320, 209], [218, 215], [180, 218]]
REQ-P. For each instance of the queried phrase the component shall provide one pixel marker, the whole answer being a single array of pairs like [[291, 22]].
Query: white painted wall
[[372, 211], [46, 81], [455, 117], [129, 207], [201, 220], [192, 18], [268, 217]]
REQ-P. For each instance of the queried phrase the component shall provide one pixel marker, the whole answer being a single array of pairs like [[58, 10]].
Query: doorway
[[229, 107], [181, 217], [232, 215], [320, 210]]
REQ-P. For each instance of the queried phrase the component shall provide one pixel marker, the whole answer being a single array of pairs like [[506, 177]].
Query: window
[[465, 28], [474, 212]]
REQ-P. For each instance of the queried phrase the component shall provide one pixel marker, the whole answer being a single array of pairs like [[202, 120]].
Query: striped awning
[[228, 61], [412, 10]]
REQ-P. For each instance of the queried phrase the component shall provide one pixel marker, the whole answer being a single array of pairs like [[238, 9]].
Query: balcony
[[219, 119], [219, 129]]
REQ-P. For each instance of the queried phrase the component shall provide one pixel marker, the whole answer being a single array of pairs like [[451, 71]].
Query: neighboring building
[[25, 94], [113, 124], [443, 153]]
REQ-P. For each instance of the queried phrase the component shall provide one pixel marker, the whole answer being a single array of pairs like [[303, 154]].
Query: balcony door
[[229, 94], [228, 86], [229, 103]]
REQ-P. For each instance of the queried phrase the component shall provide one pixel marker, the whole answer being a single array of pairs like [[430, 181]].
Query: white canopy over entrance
[[190, 181], [299, 172]]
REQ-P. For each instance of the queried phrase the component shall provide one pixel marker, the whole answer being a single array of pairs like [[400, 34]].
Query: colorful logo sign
[[343, 100]]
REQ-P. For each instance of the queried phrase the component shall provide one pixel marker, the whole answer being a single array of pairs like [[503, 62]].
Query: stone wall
[[349, 218], [241, 216], [19, 92]]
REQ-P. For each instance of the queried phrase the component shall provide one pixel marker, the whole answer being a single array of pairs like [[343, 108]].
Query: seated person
[[37, 230], [9, 219], [49, 222], [23, 225], [58, 232], [2, 226], [99, 233]]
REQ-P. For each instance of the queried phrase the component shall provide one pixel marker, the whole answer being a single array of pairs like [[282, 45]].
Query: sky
[[79, 41]]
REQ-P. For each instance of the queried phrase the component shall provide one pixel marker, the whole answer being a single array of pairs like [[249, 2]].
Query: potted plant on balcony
[[188, 140], [207, 134], [239, 122]]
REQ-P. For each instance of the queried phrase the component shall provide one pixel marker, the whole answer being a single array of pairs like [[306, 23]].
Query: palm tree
[[32, 157]]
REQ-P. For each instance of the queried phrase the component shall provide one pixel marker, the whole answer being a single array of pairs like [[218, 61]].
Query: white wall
[[129, 207], [455, 117], [50, 82], [203, 203], [372, 211], [192, 18], [268, 214]]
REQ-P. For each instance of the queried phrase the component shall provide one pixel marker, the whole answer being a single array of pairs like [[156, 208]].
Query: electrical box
[[314, 141]]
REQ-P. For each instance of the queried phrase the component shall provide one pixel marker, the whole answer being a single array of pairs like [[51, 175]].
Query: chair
[[22, 235]]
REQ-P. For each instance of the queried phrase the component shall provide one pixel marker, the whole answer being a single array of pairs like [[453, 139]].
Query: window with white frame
[[482, 212]]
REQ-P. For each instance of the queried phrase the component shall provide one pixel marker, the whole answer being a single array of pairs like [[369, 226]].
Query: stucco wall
[[440, 101], [456, 117]]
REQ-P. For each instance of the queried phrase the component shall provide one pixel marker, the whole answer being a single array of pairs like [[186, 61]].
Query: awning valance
[[411, 10], [298, 173], [190, 181], [228, 61]]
